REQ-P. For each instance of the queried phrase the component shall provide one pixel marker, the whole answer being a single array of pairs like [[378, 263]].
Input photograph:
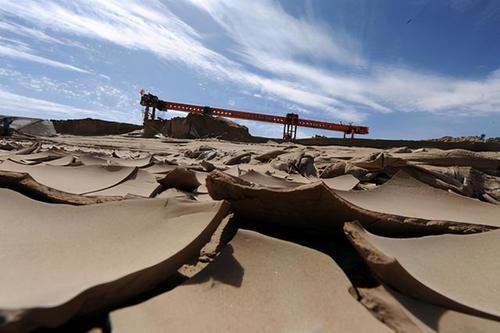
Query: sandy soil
[[123, 233]]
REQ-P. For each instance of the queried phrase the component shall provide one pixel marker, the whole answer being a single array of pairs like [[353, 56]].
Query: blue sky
[[407, 69]]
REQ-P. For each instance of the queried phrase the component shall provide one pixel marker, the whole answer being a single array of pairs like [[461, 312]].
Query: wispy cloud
[[14, 42], [18, 29], [24, 53], [154, 28], [11, 103], [270, 39], [20, 105], [265, 26], [410, 91], [308, 65], [93, 91], [151, 27]]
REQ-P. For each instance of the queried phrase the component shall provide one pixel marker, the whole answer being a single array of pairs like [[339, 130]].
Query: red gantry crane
[[290, 123]]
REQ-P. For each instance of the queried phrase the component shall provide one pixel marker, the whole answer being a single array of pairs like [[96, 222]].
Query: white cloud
[[154, 28], [337, 87], [132, 24], [265, 26], [268, 38], [93, 91], [274, 54], [22, 30], [258, 128], [23, 53], [15, 104], [296, 93], [408, 91], [15, 42], [11, 103]]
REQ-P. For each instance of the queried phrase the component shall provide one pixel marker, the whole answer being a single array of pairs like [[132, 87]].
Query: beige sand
[[35, 158], [377, 161], [257, 284], [324, 209], [90, 159], [266, 180], [407, 315], [270, 189], [27, 150], [405, 196], [25, 184], [456, 272], [342, 183], [265, 169], [455, 157], [181, 179], [431, 318], [83, 259], [268, 156], [141, 184], [78, 180], [160, 168], [62, 161], [463, 180], [133, 163], [173, 193]]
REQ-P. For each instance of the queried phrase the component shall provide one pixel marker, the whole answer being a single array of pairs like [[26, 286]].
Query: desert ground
[[121, 233]]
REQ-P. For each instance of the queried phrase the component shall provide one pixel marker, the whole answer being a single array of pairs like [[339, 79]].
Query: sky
[[410, 69]]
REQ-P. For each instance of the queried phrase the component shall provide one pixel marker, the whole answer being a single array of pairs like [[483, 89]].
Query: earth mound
[[90, 127], [467, 139], [195, 126]]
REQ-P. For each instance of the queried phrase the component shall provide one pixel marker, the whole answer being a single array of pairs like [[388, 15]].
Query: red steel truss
[[290, 121]]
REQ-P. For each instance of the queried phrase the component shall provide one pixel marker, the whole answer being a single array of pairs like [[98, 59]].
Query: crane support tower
[[290, 122]]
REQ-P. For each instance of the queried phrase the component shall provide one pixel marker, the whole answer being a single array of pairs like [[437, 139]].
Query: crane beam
[[290, 121]]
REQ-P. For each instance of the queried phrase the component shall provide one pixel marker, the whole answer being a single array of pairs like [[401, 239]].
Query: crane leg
[[289, 131]]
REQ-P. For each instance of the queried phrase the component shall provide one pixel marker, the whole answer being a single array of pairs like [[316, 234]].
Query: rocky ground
[[123, 233]]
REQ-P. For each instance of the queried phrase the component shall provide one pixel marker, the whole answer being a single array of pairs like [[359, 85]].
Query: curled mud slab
[[455, 157], [181, 179], [25, 184], [257, 284], [458, 272], [407, 315], [160, 168], [141, 183], [316, 206], [378, 161], [77, 180], [131, 163], [35, 158], [405, 196], [89, 258], [70, 265], [27, 150], [343, 183], [62, 161], [258, 178]]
